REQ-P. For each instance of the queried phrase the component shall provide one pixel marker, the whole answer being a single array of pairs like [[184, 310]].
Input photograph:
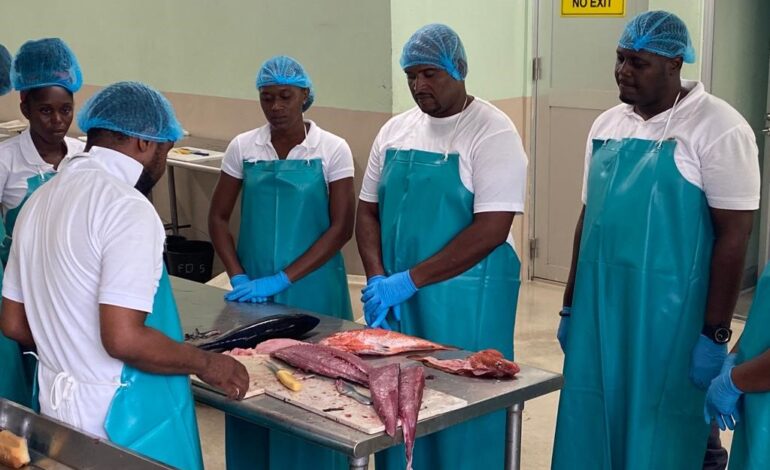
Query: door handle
[[766, 131]]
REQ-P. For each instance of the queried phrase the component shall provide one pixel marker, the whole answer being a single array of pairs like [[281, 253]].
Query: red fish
[[487, 363], [378, 342], [410, 388]]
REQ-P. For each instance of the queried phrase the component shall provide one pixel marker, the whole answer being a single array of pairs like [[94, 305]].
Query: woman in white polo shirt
[[47, 74], [297, 211]]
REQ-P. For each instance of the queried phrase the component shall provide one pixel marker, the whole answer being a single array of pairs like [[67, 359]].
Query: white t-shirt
[[19, 161], [255, 145], [493, 164], [85, 238], [716, 149]]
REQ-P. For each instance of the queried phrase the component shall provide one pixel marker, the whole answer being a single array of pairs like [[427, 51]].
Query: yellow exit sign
[[593, 8]]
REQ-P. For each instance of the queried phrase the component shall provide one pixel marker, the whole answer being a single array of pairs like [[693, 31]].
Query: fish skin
[[325, 361], [384, 387], [488, 363], [378, 342], [410, 388], [247, 336]]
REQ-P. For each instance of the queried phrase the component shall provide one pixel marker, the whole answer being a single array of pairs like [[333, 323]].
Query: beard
[[145, 183]]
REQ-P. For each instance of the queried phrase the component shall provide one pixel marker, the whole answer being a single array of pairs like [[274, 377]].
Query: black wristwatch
[[717, 334]]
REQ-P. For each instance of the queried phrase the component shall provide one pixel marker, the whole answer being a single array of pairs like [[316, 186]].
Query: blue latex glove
[[707, 360], [722, 401], [237, 280], [387, 293], [561, 333], [729, 362], [258, 290], [367, 315]]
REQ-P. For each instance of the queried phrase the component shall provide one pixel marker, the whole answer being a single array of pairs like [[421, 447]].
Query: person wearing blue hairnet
[[47, 74], [105, 324], [442, 186], [297, 210], [670, 187]]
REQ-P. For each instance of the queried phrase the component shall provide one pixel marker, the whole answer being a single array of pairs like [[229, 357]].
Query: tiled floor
[[535, 344]]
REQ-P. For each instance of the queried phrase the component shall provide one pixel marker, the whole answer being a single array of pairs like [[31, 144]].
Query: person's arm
[[222, 204], [13, 323], [342, 218], [753, 376], [368, 238], [126, 338], [569, 289], [732, 230], [487, 231]]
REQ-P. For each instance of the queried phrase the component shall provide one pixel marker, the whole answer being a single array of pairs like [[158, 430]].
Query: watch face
[[722, 335]]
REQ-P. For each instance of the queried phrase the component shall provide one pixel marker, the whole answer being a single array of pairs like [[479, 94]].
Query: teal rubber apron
[[750, 449], [19, 371], [284, 211], [423, 205], [152, 414], [638, 309]]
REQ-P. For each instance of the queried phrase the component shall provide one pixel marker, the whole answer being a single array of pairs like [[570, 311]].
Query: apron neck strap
[[668, 119]]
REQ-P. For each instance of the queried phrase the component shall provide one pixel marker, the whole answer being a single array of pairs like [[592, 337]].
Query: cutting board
[[319, 395]]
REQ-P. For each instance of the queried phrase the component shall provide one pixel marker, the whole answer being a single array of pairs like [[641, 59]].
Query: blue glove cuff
[[284, 279], [238, 279], [408, 282], [373, 279], [731, 384]]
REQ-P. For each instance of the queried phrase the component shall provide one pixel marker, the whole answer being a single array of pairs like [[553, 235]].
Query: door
[[764, 209], [576, 83], [577, 57]]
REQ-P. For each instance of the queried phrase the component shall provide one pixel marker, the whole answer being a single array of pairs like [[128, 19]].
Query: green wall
[[496, 35], [740, 75], [214, 47]]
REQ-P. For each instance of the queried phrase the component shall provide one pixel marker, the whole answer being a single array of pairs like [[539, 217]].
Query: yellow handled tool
[[286, 378]]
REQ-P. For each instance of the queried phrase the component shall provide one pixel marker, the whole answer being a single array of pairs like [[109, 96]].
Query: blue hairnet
[[5, 70], [44, 63], [133, 109], [283, 70], [439, 45], [660, 32]]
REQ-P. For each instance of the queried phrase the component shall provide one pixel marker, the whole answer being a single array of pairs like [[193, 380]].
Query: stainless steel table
[[208, 166], [56, 446], [202, 307]]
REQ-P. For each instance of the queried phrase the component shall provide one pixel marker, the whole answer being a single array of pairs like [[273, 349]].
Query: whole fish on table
[[487, 363], [378, 342]]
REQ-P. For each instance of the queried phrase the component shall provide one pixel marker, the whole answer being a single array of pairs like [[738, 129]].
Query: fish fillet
[[487, 363], [410, 388], [325, 361], [378, 342], [383, 385], [265, 347]]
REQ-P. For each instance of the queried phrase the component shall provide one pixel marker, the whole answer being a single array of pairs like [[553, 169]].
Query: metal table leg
[[172, 201], [359, 463], [513, 437]]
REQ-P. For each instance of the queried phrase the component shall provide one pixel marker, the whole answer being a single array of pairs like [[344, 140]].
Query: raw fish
[[378, 342], [325, 361], [487, 363], [410, 388], [383, 385]]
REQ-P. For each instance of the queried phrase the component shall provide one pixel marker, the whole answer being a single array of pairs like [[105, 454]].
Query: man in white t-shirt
[[443, 183], [85, 286], [670, 187]]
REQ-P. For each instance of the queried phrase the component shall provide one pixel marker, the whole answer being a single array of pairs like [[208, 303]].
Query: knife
[[284, 376]]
